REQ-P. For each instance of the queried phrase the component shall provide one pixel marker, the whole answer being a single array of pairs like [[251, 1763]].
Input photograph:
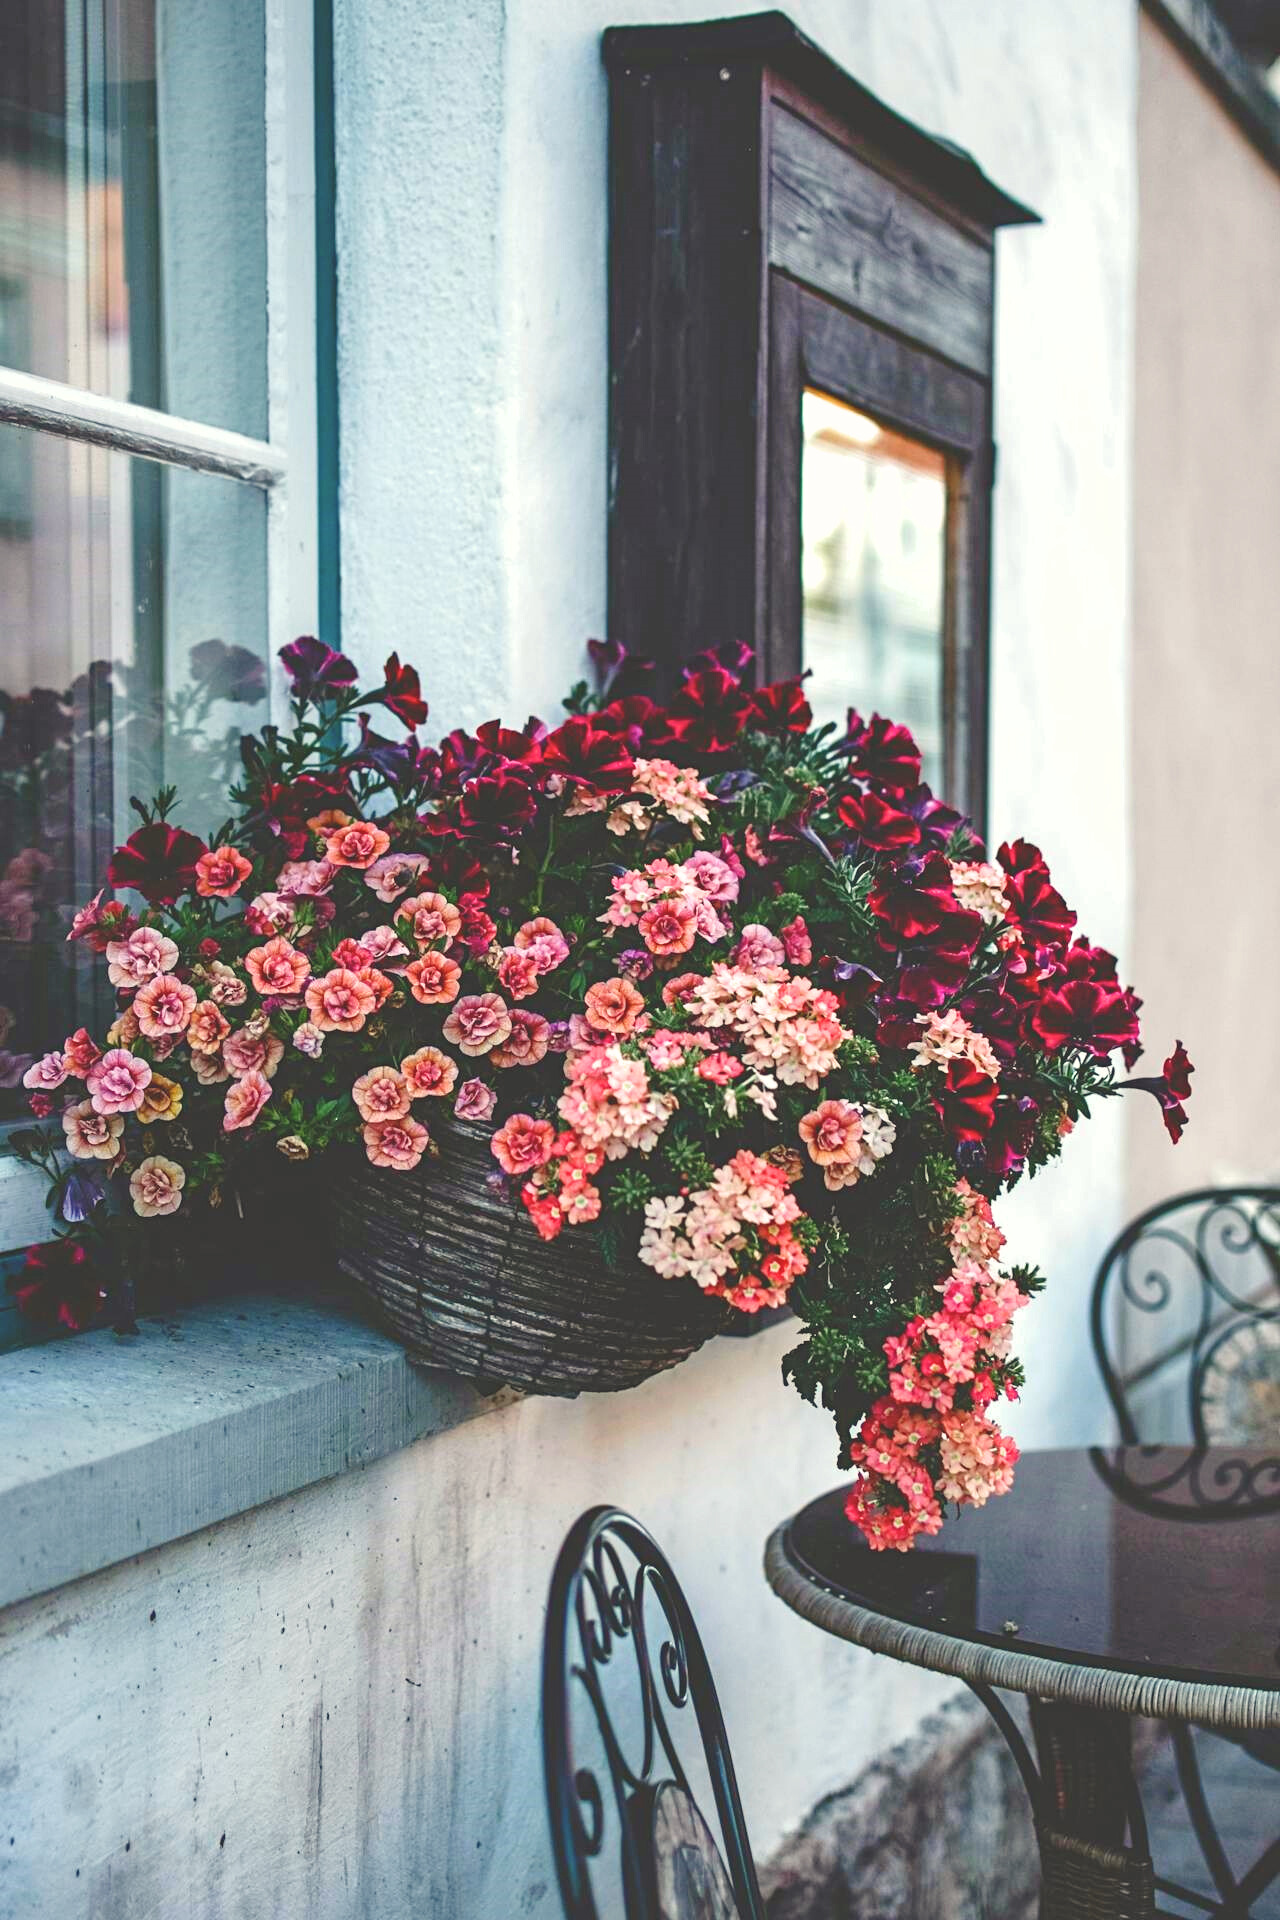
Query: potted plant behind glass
[[603, 1033]]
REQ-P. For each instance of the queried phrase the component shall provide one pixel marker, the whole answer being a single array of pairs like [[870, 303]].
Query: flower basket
[[461, 1277]]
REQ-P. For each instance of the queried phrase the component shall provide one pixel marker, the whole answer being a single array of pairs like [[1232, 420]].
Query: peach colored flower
[[124, 1029], [395, 1143], [209, 1069], [80, 1052], [155, 1186], [614, 1006], [382, 987], [676, 991], [381, 943], [517, 972], [527, 1042], [164, 1006], [49, 1071], [523, 1144], [356, 845], [278, 967], [221, 872], [475, 1101], [245, 1100], [163, 1100], [478, 1023], [340, 1000], [831, 1132], [91, 1135], [118, 1082], [144, 953], [671, 926], [434, 979], [543, 939], [246, 1052], [382, 1094], [428, 1071], [226, 988], [208, 1028], [330, 820], [429, 917]]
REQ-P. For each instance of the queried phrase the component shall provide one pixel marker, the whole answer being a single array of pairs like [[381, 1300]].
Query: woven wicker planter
[[461, 1277]]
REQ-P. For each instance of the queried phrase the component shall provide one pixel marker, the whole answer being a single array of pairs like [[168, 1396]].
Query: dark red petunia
[[478, 930], [505, 744], [709, 712], [402, 692], [915, 901], [1036, 905], [158, 861], [497, 806], [967, 1104], [637, 719], [589, 757], [929, 975], [878, 822], [1083, 961], [1171, 1090], [780, 708], [316, 670], [734, 656], [285, 809], [1095, 1015], [1012, 1131], [59, 1287], [882, 751]]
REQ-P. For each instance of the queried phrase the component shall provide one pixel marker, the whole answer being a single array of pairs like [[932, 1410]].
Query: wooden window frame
[[773, 225]]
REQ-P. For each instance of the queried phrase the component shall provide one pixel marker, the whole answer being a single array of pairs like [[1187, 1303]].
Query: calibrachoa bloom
[[478, 1023], [475, 1101], [118, 1082], [434, 979], [92, 1135], [428, 1072], [395, 1143], [163, 1006], [382, 1094], [341, 1001], [155, 1186], [144, 954], [277, 967], [221, 872], [523, 1144], [245, 1100]]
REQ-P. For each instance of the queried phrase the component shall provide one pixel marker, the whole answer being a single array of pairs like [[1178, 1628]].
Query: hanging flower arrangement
[[740, 995]]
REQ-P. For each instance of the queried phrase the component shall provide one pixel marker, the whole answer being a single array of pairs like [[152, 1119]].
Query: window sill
[[110, 1446]]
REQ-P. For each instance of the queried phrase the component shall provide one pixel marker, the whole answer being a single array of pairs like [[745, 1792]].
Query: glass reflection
[[133, 202], [873, 518], [132, 623]]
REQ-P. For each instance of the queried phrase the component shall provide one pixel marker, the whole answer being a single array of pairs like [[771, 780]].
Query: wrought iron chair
[[624, 1670], [1185, 1319]]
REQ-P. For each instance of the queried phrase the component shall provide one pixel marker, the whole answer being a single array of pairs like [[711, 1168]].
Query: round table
[[1108, 1583]]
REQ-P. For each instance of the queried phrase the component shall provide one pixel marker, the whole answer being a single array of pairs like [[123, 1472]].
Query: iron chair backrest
[[1209, 1261], [614, 1595]]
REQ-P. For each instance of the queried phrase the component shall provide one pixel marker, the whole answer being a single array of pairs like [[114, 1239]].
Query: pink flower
[[226, 988], [155, 1186], [382, 1094], [478, 1023], [757, 948], [671, 926], [305, 879], [357, 845], [309, 1040], [429, 917], [269, 913], [49, 1071], [523, 1144], [221, 872], [164, 1006], [245, 1052], [91, 1135], [207, 1028], [614, 1006], [245, 1100], [278, 967], [715, 877], [475, 1101], [720, 1067], [144, 954], [395, 1143], [517, 973], [543, 939], [428, 1072], [341, 1000], [394, 873], [118, 1082], [434, 979], [796, 942], [527, 1043], [381, 943]]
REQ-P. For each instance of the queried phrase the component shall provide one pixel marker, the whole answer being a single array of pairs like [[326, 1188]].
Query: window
[[801, 328], [158, 495]]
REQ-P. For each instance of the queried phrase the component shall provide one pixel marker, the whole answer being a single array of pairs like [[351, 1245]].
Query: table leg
[[1095, 1863]]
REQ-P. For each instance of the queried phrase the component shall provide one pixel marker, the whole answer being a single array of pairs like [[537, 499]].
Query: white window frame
[[284, 466]]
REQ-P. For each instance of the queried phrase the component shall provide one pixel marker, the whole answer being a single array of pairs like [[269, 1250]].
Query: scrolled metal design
[[619, 1631], [1211, 1261], [1192, 1484]]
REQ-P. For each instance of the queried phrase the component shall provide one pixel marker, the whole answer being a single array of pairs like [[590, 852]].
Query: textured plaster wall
[[1206, 666]]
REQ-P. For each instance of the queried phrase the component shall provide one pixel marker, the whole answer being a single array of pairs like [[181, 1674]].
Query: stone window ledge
[[111, 1445]]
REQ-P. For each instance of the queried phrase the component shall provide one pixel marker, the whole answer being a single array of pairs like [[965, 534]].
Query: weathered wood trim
[[1196, 30]]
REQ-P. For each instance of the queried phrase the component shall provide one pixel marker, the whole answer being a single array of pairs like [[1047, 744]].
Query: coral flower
[[517, 972], [614, 1006], [221, 872], [357, 845], [118, 1082], [208, 1028], [671, 926], [543, 939], [429, 1072], [155, 1186], [475, 1101], [245, 1052], [340, 1000], [434, 979], [164, 1006], [139, 958], [523, 1144], [245, 1100], [527, 1043], [429, 917], [382, 1094], [80, 1051], [395, 1143], [478, 1023], [278, 967], [163, 1100], [92, 1135], [831, 1132]]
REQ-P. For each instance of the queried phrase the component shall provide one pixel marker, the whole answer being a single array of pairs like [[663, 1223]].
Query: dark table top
[[1151, 1561]]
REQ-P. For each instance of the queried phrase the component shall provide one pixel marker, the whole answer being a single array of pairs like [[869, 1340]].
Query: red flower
[[1005, 1147], [1171, 1089], [931, 975], [878, 822], [882, 751], [1037, 906], [403, 692], [967, 1103], [316, 670], [158, 861], [636, 719], [286, 809], [1095, 1015], [780, 708], [497, 805], [504, 743], [589, 757], [915, 900], [59, 1287], [709, 712]]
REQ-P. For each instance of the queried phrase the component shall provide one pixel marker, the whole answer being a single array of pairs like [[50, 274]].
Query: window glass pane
[[132, 649], [133, 201], [874, 509]]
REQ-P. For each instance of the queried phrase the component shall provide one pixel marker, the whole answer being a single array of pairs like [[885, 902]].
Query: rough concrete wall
[[1206, 661]]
